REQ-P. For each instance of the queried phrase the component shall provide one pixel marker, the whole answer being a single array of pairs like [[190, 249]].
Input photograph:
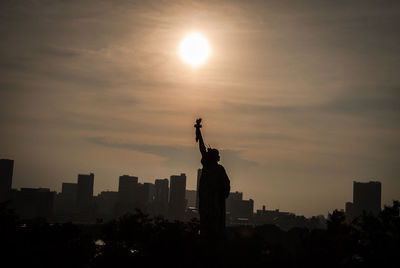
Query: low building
[[32, 203]]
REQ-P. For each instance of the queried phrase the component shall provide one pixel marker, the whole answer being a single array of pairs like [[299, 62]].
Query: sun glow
[[194, 49]]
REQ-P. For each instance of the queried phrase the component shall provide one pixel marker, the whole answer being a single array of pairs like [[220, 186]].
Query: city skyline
[[362, 194], [300, 97]]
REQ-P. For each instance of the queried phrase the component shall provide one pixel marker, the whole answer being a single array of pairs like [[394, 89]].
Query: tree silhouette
[[137, 240]]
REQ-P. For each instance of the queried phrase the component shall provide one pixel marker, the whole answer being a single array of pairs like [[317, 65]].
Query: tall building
[[84, 198], [191, 198], [149, 190], [129, 195], [161, 190], [144, 196], [106, 202], [197, 188], [127, 188], [65, 202], [69, 191], [177, 201], [367, 196], [6, 174]]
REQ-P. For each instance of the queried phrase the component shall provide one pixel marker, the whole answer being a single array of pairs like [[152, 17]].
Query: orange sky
[[301, 98]]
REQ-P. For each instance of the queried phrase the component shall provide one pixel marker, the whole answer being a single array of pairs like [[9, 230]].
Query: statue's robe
[[214, 187]]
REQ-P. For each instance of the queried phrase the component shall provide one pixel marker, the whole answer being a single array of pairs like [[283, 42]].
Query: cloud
[[383, 101], [177, 156], [59, 52]]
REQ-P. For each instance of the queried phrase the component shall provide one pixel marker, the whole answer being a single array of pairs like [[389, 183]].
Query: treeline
[[136, 240]]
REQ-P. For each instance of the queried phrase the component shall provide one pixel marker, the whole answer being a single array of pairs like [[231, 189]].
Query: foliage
[[136, 240]]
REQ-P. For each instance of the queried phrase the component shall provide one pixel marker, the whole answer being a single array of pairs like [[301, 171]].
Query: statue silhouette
[[214, 187]]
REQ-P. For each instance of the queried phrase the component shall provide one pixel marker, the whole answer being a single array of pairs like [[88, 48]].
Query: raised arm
[[199, 138]]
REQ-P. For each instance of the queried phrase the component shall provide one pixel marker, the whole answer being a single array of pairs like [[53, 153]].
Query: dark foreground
[[138, 241]]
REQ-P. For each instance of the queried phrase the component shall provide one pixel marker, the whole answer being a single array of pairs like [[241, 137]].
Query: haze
[[301, 97]]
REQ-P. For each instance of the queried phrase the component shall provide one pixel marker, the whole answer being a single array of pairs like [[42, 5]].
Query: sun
[[194, 49]]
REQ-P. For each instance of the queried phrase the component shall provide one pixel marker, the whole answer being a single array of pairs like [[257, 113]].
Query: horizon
[[58, 191], [301, 99]]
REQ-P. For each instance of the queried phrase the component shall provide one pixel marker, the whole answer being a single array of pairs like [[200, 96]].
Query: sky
[[301, 97]]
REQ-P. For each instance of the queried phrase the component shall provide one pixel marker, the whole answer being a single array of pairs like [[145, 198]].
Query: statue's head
[[213, 155]]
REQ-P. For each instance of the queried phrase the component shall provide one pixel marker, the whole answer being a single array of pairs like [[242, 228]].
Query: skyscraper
[[161, 197], [69, 191], [65, 202], [367, 196], [191, 198], [106, 203], [149, 192], [177, 201], [85, 192], [129, 195], [127, 189]]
